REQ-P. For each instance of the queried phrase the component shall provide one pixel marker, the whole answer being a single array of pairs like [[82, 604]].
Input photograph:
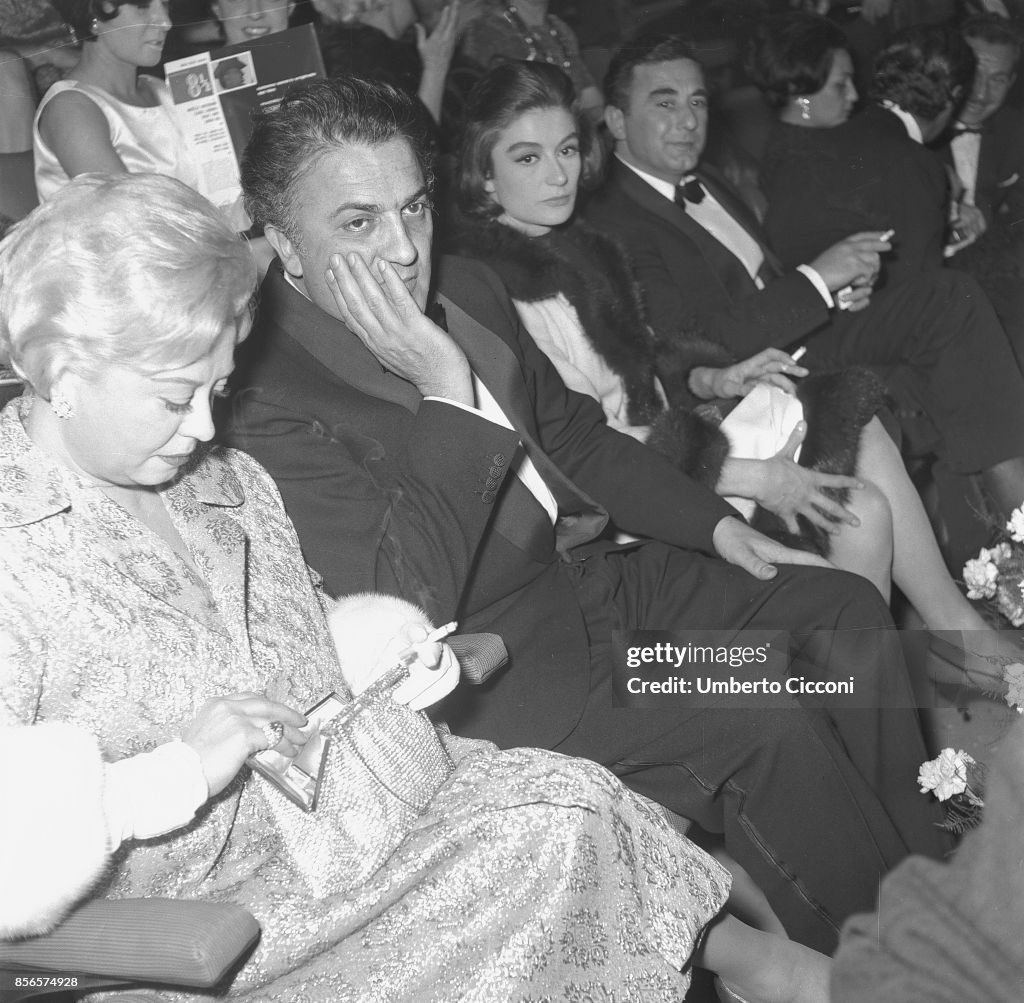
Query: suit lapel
[[724, 265], [497, 366], [332, 344], [494, 363], [741, 213]]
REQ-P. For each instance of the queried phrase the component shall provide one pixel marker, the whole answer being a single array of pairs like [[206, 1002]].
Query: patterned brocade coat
[[530, 876]]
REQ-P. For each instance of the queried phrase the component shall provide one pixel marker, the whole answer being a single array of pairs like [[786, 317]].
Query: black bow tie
[[690, 191]]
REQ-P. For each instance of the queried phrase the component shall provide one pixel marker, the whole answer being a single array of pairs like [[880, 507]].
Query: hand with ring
[[274, 732], [230, 729]]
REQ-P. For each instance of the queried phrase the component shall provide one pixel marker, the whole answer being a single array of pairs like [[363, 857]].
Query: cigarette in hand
[[797, 355], [407, 657], [887, 236]]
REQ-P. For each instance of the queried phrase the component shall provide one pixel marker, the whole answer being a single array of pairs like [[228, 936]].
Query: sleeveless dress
[[148, 140]]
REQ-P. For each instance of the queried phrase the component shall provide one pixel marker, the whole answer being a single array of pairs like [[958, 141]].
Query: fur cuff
[[53, 843], [363, 627], [693, 444]]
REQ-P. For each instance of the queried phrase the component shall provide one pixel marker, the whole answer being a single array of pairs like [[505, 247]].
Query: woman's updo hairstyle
[[791, 55], [505, 93], [79, 15], [134, 270]]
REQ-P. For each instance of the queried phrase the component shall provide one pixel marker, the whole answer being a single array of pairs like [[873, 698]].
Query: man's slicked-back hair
[[319, 117], [995, 30], [644, 50], [922, 69]]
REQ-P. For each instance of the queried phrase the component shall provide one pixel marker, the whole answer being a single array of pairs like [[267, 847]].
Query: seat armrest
[[141, 940]]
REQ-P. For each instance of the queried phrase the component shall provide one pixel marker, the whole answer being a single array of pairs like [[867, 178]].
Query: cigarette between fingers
[[441, 632], [799, 353]]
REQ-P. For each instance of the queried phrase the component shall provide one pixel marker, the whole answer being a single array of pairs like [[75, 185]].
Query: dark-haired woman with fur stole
[[523, 155]]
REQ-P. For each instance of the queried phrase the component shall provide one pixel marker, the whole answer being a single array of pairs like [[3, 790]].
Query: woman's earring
[[61, 406], [805, 108], [95, 26]]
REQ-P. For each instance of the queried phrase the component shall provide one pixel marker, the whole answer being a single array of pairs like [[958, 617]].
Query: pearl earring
[[61, 406], [95, 26], [805, 109]]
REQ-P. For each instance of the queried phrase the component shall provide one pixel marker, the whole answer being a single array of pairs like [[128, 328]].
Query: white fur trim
[[53, 840], [361, 627]]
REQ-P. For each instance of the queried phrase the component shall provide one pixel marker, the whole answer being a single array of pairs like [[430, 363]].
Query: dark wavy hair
[[505, 93], [923, 69], [644, 50], [78, 15], [995, 30], [318, 117], [791, 55]]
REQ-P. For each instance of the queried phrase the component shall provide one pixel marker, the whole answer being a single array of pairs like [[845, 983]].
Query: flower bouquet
[[996, 576], [959, 780], [997, 573]]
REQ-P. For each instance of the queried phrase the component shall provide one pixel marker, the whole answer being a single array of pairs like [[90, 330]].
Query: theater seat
[[118, 943]]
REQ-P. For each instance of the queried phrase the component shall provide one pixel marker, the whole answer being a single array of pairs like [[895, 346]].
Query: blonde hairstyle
[[128, 269]]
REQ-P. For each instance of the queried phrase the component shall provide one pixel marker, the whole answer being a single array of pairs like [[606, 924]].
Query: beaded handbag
[[383, 765]]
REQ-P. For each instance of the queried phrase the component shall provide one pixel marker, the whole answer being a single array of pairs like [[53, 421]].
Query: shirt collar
[[34, 487], [291, 281], [663, 187], [911, 123]]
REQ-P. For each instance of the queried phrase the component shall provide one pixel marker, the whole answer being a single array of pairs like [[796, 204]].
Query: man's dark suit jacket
[[693, 281], [395, 493], [999, 186], [868, 174]]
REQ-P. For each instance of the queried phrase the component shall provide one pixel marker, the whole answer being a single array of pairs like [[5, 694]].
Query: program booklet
[[215, 94]]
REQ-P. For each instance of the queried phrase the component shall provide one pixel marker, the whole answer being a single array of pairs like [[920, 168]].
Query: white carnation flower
[[1014, 676], [980, 577], [1015, 527], [946, 775]]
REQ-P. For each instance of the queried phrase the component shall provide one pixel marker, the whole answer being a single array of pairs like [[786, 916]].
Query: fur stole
[[594, 274], [610, 306], [54, 843]]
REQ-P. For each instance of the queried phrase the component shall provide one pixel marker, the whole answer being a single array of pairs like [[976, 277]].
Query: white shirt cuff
[[818, 282], [467, 407], [154, 792]]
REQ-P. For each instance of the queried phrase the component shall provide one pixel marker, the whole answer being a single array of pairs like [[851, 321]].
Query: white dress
[[148, 140]]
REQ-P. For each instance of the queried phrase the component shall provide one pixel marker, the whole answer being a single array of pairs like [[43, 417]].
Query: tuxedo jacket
[[695, 283], [999, 186], [822, 185], [395, 493]]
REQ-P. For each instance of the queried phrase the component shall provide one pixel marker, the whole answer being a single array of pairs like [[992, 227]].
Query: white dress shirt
[[966, 149], [710, 214]]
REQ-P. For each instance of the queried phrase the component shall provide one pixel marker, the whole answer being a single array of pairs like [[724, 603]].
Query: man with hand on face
[[704, 262], [425, 447]]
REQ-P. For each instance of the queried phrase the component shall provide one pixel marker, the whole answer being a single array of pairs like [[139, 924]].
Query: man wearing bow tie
[[707, 265], [987, 143]]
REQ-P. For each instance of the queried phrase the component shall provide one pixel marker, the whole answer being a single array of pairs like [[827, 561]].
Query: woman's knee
[[872, 508]]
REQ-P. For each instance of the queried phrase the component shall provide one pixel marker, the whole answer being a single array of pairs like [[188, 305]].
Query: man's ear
[[616, 122], [285, 250]]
